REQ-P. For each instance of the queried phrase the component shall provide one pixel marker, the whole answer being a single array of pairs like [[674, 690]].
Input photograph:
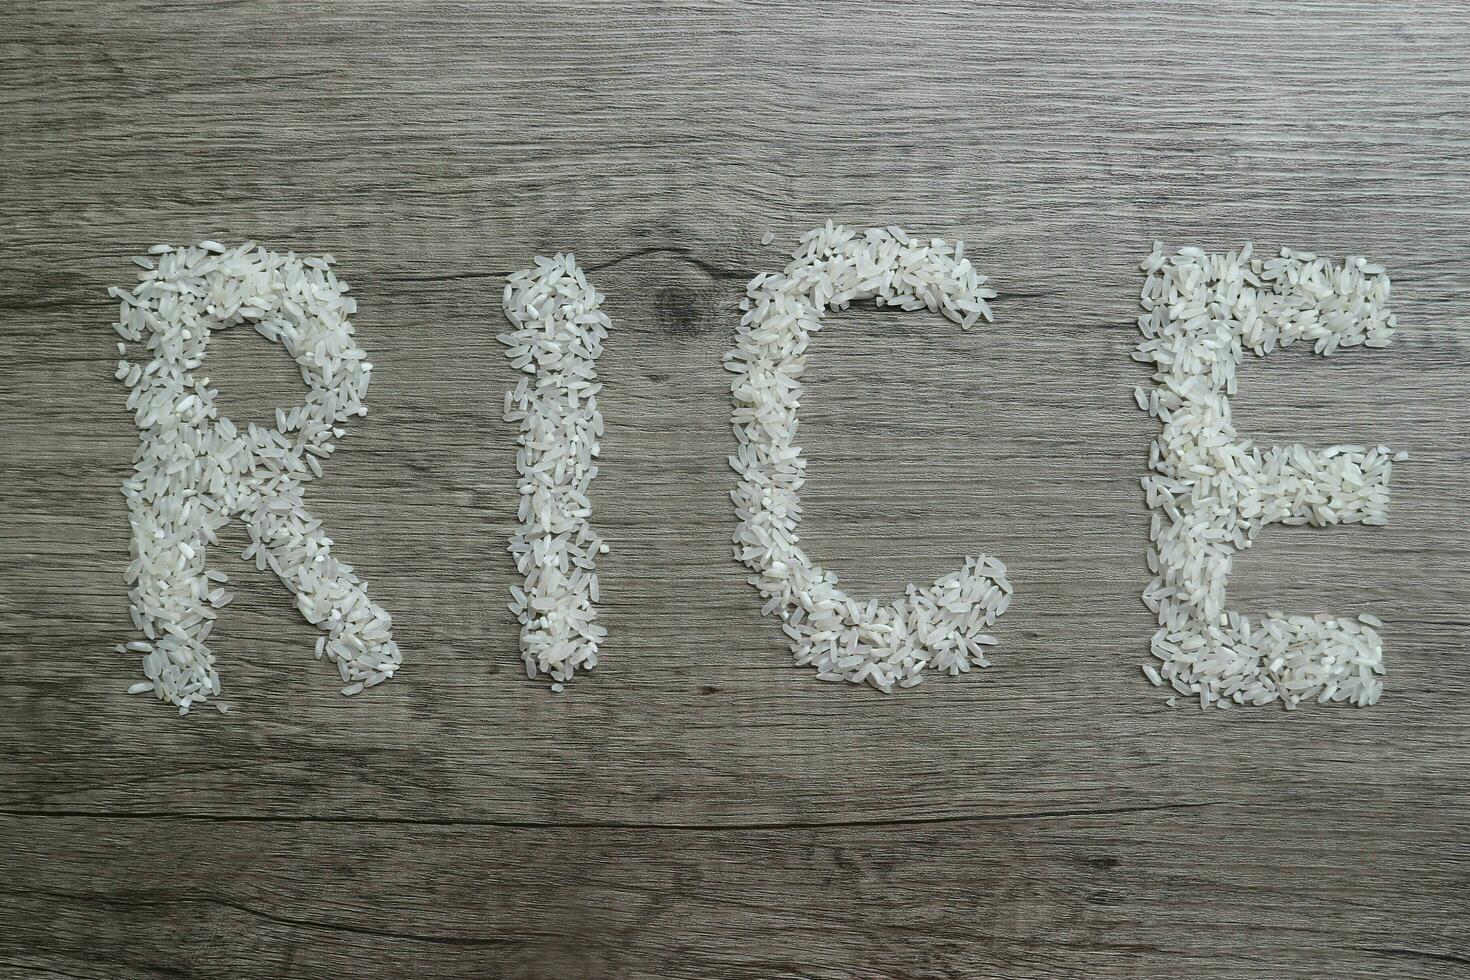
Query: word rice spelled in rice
[[559, 332], [195, 468], [1213, 491], [940, 627]]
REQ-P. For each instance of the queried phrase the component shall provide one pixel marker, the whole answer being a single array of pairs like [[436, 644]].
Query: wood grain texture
[[696, 807]]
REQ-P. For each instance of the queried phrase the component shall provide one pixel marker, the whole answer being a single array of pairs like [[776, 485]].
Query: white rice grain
[[885, 646], [559, 333], [1213, 491], [195, 468]]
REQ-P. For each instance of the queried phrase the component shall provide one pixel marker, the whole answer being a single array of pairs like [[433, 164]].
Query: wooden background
[[696, 807]]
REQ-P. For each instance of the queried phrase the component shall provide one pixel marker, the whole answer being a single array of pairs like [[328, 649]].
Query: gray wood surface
[[696, 807]]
